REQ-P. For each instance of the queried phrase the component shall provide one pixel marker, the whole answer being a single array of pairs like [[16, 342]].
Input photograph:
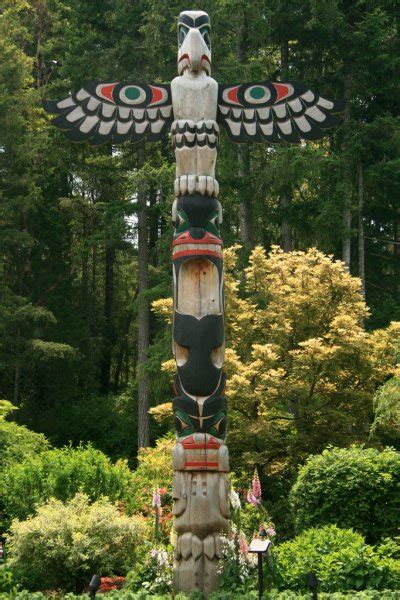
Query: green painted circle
[[132, 93], [257, 93]]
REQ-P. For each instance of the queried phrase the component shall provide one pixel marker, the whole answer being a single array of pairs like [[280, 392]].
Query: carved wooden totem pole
[[195, 106]]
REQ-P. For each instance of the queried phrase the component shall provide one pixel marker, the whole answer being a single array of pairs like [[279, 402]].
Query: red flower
[[111, 583]]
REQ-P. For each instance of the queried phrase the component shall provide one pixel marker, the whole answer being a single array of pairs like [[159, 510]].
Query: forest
[[311, 235]]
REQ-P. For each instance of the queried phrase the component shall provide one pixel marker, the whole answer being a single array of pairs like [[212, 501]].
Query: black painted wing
[[273, 112], [117, 112]]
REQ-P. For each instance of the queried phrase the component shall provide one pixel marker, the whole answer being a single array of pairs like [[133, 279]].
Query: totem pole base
[[201, 510]]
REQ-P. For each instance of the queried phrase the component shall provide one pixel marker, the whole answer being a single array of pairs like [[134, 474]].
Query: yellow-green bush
[[65, 543]]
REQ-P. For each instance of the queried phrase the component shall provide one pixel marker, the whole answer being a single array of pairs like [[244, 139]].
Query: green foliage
[[352, 595], [236, 568], [153, 573], [16, 441], [250, 517], [154, 471], [112, 595], [65, 543], [355, 487], [340, 558], [7, 580], [389, 547], [387, 409], [61, 473], [251, 595]]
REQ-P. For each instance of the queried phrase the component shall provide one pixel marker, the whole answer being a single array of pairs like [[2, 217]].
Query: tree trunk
[[105, 367], [396, 253], [143, 315], [17, 376], [245, 217], [361, 238], [286, 228], [287, 241], [243, 155], [124, 347], [346, 209]]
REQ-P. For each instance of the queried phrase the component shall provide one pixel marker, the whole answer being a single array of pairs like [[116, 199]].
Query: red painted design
[[107, 91], [190, 444], [188, 440], [204, 57], [213, 440], [157, 94], [282, 90], [196, 253], [186, 238], [232, 95], [183, 57]]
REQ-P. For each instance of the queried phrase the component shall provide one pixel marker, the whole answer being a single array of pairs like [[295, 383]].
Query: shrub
[[154, 470], [61, 473], [7, 580], [353, 595], [354, 487], [340, 558], [65, 543], [272, 595], [16, 441], [390, 548]]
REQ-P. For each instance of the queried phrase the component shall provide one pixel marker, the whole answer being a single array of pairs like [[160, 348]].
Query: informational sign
[[258, 545]]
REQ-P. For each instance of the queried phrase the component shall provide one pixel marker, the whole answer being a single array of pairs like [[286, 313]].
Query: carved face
[[194, 42]]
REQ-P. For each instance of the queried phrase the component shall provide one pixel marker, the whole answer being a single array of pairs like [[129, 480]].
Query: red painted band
[[196, 253], [183, 57], [186, 238], [201, 446]]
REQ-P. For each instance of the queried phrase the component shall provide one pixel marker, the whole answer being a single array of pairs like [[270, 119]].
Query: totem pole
[[195, 105]]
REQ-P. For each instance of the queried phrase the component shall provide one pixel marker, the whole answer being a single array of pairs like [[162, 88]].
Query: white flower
[[235, 500]]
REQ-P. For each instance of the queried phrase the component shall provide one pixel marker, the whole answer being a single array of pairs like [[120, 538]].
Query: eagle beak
[[195, 49], [194, 54]]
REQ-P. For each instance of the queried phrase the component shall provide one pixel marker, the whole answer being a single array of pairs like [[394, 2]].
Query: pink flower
[[243, 547], [154, 553], [254, 494], [256, 486], [156, 503], [271, 531], [251, 499]]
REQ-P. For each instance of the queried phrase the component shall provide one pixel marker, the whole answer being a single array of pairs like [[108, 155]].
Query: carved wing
[[275, 111], [120, 111]]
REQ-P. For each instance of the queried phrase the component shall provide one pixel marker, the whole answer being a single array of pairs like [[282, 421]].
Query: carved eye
[[205, 32], [182, 33]]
